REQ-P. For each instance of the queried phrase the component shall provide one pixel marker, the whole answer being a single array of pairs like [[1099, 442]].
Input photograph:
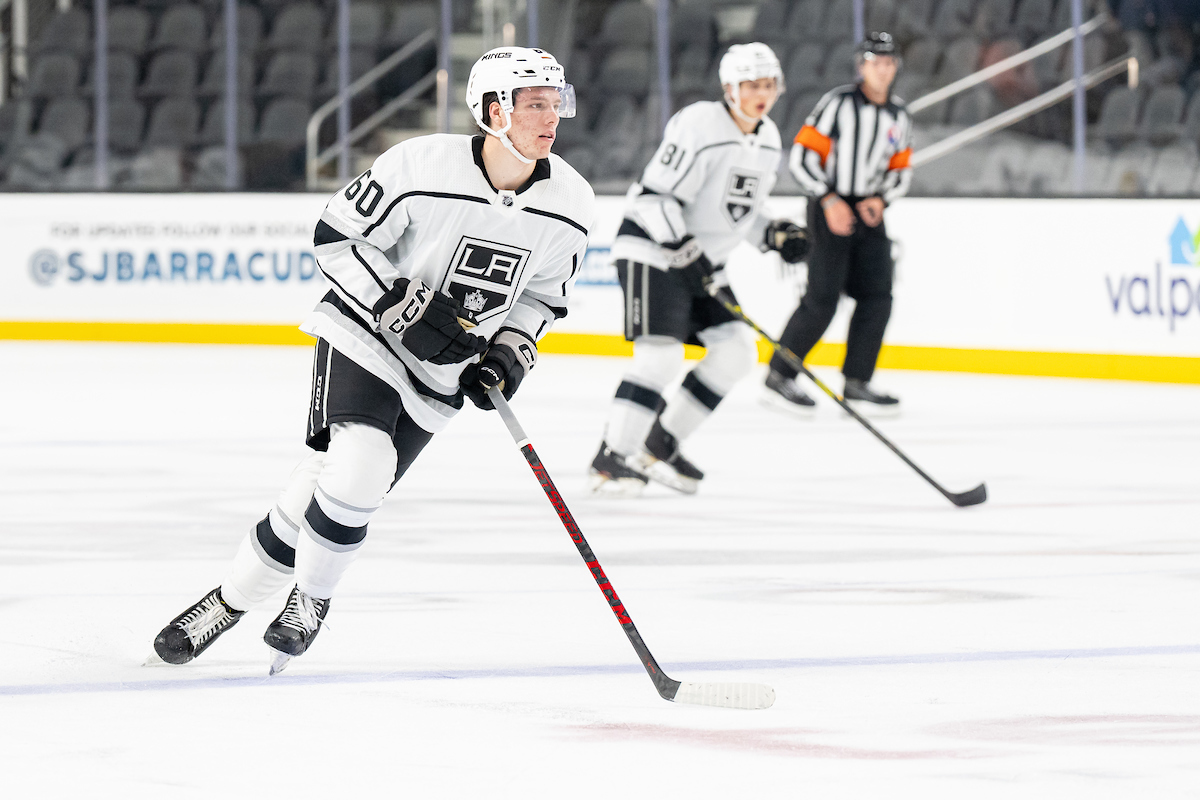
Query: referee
[[851, 157]]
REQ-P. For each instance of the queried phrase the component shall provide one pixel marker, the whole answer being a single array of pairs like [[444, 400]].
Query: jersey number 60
[[370, 196]]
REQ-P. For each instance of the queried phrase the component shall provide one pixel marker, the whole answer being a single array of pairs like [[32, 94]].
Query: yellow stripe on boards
[[1161, 369]]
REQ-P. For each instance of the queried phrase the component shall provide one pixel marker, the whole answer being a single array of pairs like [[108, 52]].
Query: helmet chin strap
[[735, 105], [502, 135]]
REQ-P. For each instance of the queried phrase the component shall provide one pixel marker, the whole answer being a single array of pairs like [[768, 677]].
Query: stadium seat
[[284, 121], [155, 169], [582, 158], [1094, 51], [361, 62], [1191, 119], [805, 68], [174, 122], [1129, 172], [67, 32], [1049, 166], [16, 121], [1174, 171], [366, 27], [1004, 168], [126, 120], [54, 75], [881, 15], [1119, 116], [771, 20], [182, 27], [691, 69], [1161, 118], [693, 28], [298, 27], [994, 19], [69, 119], [1062, 13], [953, 19], [960, 60], [249, 30], [289, 74], [122, 77], [974, 106], [172, 73], [921, 58], [36, 164], [128, 29], [619, 114], [910, 87], [213, 83], [209, 172], [628, 24], [913, 19], [805, 23], [213, 131], [840, 69], [1032, 20], [625, 71], [409, 21], [838, 22]]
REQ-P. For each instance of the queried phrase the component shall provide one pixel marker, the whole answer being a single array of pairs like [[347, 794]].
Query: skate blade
[[279, 662], [661, 473], [154, 661], [873, 410], [615, 487], [776, 403]]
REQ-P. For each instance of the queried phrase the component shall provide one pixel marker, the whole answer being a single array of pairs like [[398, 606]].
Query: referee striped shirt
[[853, 147]]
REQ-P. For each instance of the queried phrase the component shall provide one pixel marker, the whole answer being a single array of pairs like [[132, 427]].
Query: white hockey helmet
[[748, 62], [504, 70]]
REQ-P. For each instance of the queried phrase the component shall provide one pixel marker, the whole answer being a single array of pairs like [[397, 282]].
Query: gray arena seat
[[838, 23], [770, 24], [582, 158], [881, 15], [284, 121], [628, 24], [69, 119], [922, 58], [174, 122], [126, 121], [123, 75], [1094, 52], [619, 114], [249, 30], [805, 23], [209, 172], [213, 130], [289, 74], [409, 20], [155, 169], [36, 164], [1130, 171], [1032, 19], [1119, 115], [54, 75], [366, 27], [953, 19], [910, 87], [361, 61], [974, 106], [182, 27], [805, 68], [1162, 117], [172, 73], [213, 83], [67, 31], [960, 60], [299, 26], [1174, 170], [691, 70], [1191, 119], [128, 29], [692, 26], [1049, 167], [625, 71], [16, 121], [840, 67], [913, 19]]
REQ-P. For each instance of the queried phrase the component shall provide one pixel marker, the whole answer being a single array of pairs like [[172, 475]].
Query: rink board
[[1080, 288]]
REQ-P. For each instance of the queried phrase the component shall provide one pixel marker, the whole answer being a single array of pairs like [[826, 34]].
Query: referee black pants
[[860, 265]]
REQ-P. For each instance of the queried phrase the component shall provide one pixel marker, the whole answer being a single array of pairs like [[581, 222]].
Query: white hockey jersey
[[707, 179], [509, 257]]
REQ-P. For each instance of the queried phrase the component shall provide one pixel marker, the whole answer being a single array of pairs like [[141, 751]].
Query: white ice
[[1045, 644]]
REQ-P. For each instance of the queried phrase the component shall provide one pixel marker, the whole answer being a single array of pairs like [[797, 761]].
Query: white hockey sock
[[731, 354], [266, 559], [357, 473], [656, 360]]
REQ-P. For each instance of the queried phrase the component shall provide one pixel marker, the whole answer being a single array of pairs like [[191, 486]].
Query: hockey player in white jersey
[[701, 194], [488, 233]]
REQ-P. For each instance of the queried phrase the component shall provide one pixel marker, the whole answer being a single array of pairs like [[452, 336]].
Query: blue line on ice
[[674, 668]]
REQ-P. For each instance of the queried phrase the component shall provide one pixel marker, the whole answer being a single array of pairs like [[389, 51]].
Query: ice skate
[[662, 462], [612, 474], [783, 394], [193, 631], [293, 631], [868, 402]]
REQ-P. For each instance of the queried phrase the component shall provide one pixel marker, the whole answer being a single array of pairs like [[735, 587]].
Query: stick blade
[[971, 498], [750, 696]]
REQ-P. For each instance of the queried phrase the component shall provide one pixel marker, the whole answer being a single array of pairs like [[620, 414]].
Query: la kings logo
[[740, 190], [483, 276]]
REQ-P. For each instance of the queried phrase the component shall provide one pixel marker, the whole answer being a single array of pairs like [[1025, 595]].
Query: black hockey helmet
[[877, 43]]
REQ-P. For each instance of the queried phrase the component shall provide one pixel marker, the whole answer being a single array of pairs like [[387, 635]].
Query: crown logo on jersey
[[474, 301]]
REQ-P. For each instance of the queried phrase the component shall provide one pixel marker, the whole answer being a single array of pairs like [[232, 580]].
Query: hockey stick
[[724, 695], [969, 498]]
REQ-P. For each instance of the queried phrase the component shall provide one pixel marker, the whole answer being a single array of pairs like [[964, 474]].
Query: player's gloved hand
[[426, 323], [694, 267], [788, 239], [505, 364]]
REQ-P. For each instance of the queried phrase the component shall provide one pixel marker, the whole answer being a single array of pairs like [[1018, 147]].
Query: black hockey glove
[[788, 238], [694, 267], [426, 323], [509, 358]]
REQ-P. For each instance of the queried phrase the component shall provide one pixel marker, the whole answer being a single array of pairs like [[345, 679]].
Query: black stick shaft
[[972, 497], [666, 686]]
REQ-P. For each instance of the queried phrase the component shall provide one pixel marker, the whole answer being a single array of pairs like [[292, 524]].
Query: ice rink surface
[[1045, 644]]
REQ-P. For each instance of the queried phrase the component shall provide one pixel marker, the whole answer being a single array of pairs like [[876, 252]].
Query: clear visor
[[540, 99]]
